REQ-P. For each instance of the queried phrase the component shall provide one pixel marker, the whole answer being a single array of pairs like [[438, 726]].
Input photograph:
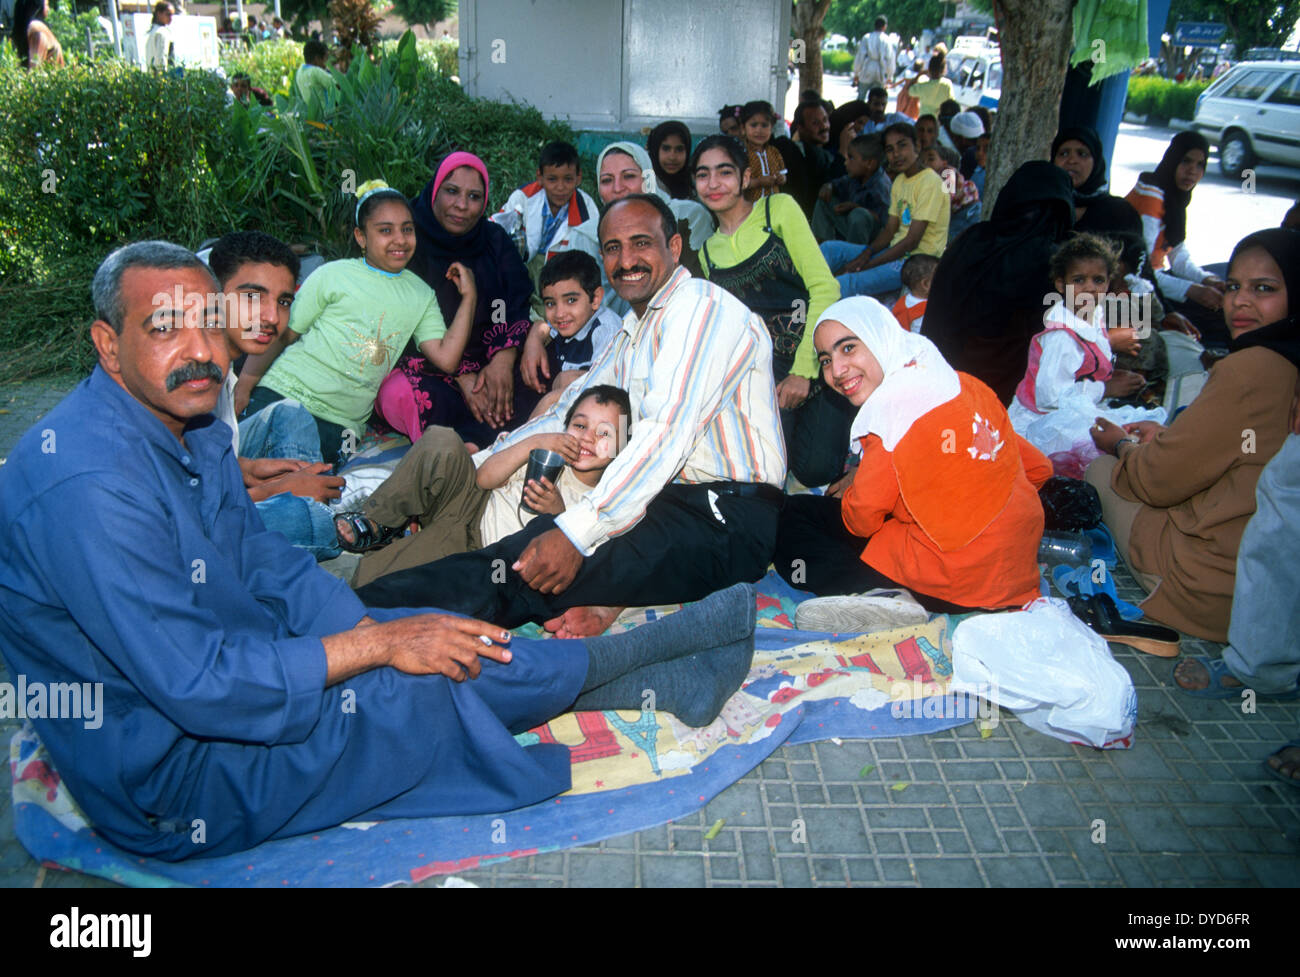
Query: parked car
[[1252, 113], [975, 70]]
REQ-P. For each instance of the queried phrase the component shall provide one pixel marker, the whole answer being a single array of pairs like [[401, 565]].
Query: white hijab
[[917, 379], [697, 216], [649, 184]]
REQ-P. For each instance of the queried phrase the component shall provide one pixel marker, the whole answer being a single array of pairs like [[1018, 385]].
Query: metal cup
[[541, 464]]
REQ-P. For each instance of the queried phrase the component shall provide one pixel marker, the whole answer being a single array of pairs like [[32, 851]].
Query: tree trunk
[[1034, 36], [806, 24]]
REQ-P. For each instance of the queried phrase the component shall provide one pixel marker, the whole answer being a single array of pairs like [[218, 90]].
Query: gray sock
[[693, 688], [721, 619]]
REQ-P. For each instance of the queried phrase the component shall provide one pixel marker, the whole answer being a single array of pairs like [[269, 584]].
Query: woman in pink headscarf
[[482, 397]]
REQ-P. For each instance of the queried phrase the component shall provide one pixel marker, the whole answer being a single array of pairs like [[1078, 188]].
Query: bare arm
[[497, 468], [446, 353]]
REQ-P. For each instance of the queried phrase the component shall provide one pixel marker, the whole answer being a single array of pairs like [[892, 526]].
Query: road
[[1221, 212]]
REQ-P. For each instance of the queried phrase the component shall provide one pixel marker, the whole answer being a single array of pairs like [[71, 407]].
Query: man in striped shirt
[[688, 507]]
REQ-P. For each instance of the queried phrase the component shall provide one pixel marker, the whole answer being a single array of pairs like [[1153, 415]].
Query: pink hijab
[[455, 161]]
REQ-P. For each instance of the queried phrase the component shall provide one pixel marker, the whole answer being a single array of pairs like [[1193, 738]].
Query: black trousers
[[816, 552], [817, 437], [693, 540]]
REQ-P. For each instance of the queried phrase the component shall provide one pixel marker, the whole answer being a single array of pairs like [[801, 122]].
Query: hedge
[[96, 155], [839, 62], [1163, 98]]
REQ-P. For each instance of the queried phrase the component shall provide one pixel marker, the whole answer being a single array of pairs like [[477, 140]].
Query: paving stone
[[948, 872], [887, 842], [675, 871], [943, 817], [1049, 805], [602, 870], [862, 870], [724, 869], [842, 794], [793, 872], [1016, 871], [831, 830], [896, 870], [1064, 868], [758, 860], [1019, 841], [953, 843], [920, 843], [826, 870]]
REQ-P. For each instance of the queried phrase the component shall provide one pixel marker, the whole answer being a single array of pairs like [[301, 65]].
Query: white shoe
[[876, 610]]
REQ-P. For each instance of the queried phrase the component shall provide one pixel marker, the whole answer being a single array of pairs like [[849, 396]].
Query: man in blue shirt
[[244, 688]]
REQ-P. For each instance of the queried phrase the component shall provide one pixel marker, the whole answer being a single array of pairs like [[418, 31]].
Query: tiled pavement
[[1189, 805]]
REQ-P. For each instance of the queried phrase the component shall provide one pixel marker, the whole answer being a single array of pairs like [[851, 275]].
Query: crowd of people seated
[[810, 352]]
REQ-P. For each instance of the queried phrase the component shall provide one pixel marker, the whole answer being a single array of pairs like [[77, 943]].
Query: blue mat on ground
[[631, 771]]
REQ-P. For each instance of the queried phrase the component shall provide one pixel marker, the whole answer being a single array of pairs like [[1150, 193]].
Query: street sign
[[1199, 34]]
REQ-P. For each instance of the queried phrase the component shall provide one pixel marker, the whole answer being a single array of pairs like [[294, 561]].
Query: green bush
[[100, 154], [1163, 98], [270, 64], [837, 61]]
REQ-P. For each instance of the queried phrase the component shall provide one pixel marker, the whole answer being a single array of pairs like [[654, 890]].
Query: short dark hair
[[667, 218], [314, 50], [905, 128], [373, 200], [928, 115], [881, 23], [869, 146], [938, 62], [604, 393], [106, 287], [947, 154], [948, 108], [558, 154], [728, 144], [917, 268], [241, 76], [757, 107], [576, 265], [1084, 247], [238, 248], [877, 91], [804, 108]]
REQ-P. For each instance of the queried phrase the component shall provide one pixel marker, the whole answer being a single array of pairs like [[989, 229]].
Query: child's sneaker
[[876, 610]]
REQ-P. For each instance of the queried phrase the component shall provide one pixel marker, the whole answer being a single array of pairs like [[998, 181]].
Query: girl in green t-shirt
[[351, 320]]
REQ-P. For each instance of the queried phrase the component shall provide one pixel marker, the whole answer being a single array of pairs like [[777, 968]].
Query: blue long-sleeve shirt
[[130, 558]]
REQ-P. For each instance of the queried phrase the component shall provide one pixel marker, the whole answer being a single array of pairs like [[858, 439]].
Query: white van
[[975, 70], [1252, 113]]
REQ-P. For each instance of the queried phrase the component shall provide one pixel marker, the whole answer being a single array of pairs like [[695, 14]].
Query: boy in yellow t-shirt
[[918, 223]]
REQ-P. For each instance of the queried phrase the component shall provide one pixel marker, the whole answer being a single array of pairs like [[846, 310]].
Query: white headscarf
[[697, 216], [917, 379], [649, 184]]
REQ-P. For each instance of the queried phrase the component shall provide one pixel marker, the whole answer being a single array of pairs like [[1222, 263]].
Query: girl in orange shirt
[[945, 500]]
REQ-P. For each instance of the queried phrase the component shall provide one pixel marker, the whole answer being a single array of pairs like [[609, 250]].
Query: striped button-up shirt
[[698, 370]]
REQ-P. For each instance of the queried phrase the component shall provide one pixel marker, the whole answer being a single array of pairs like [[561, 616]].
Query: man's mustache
[[634, 270], [193, 371]]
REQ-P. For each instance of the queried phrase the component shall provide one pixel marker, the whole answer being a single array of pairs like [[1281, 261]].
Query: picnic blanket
[[631, 770]]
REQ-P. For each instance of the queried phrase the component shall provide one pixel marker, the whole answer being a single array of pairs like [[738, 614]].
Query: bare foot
[[582, 622], [1286, 761], [1191, 674]]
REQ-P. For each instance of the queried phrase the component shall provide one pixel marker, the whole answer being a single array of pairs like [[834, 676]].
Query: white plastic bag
[[1055, 672]]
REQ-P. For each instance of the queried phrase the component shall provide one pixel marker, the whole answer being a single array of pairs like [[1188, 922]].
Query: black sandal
[[364, 537]]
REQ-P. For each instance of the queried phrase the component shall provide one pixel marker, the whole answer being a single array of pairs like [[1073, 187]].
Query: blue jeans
[[284, 429], [881, 280], [1264, 632], [305, 523]]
